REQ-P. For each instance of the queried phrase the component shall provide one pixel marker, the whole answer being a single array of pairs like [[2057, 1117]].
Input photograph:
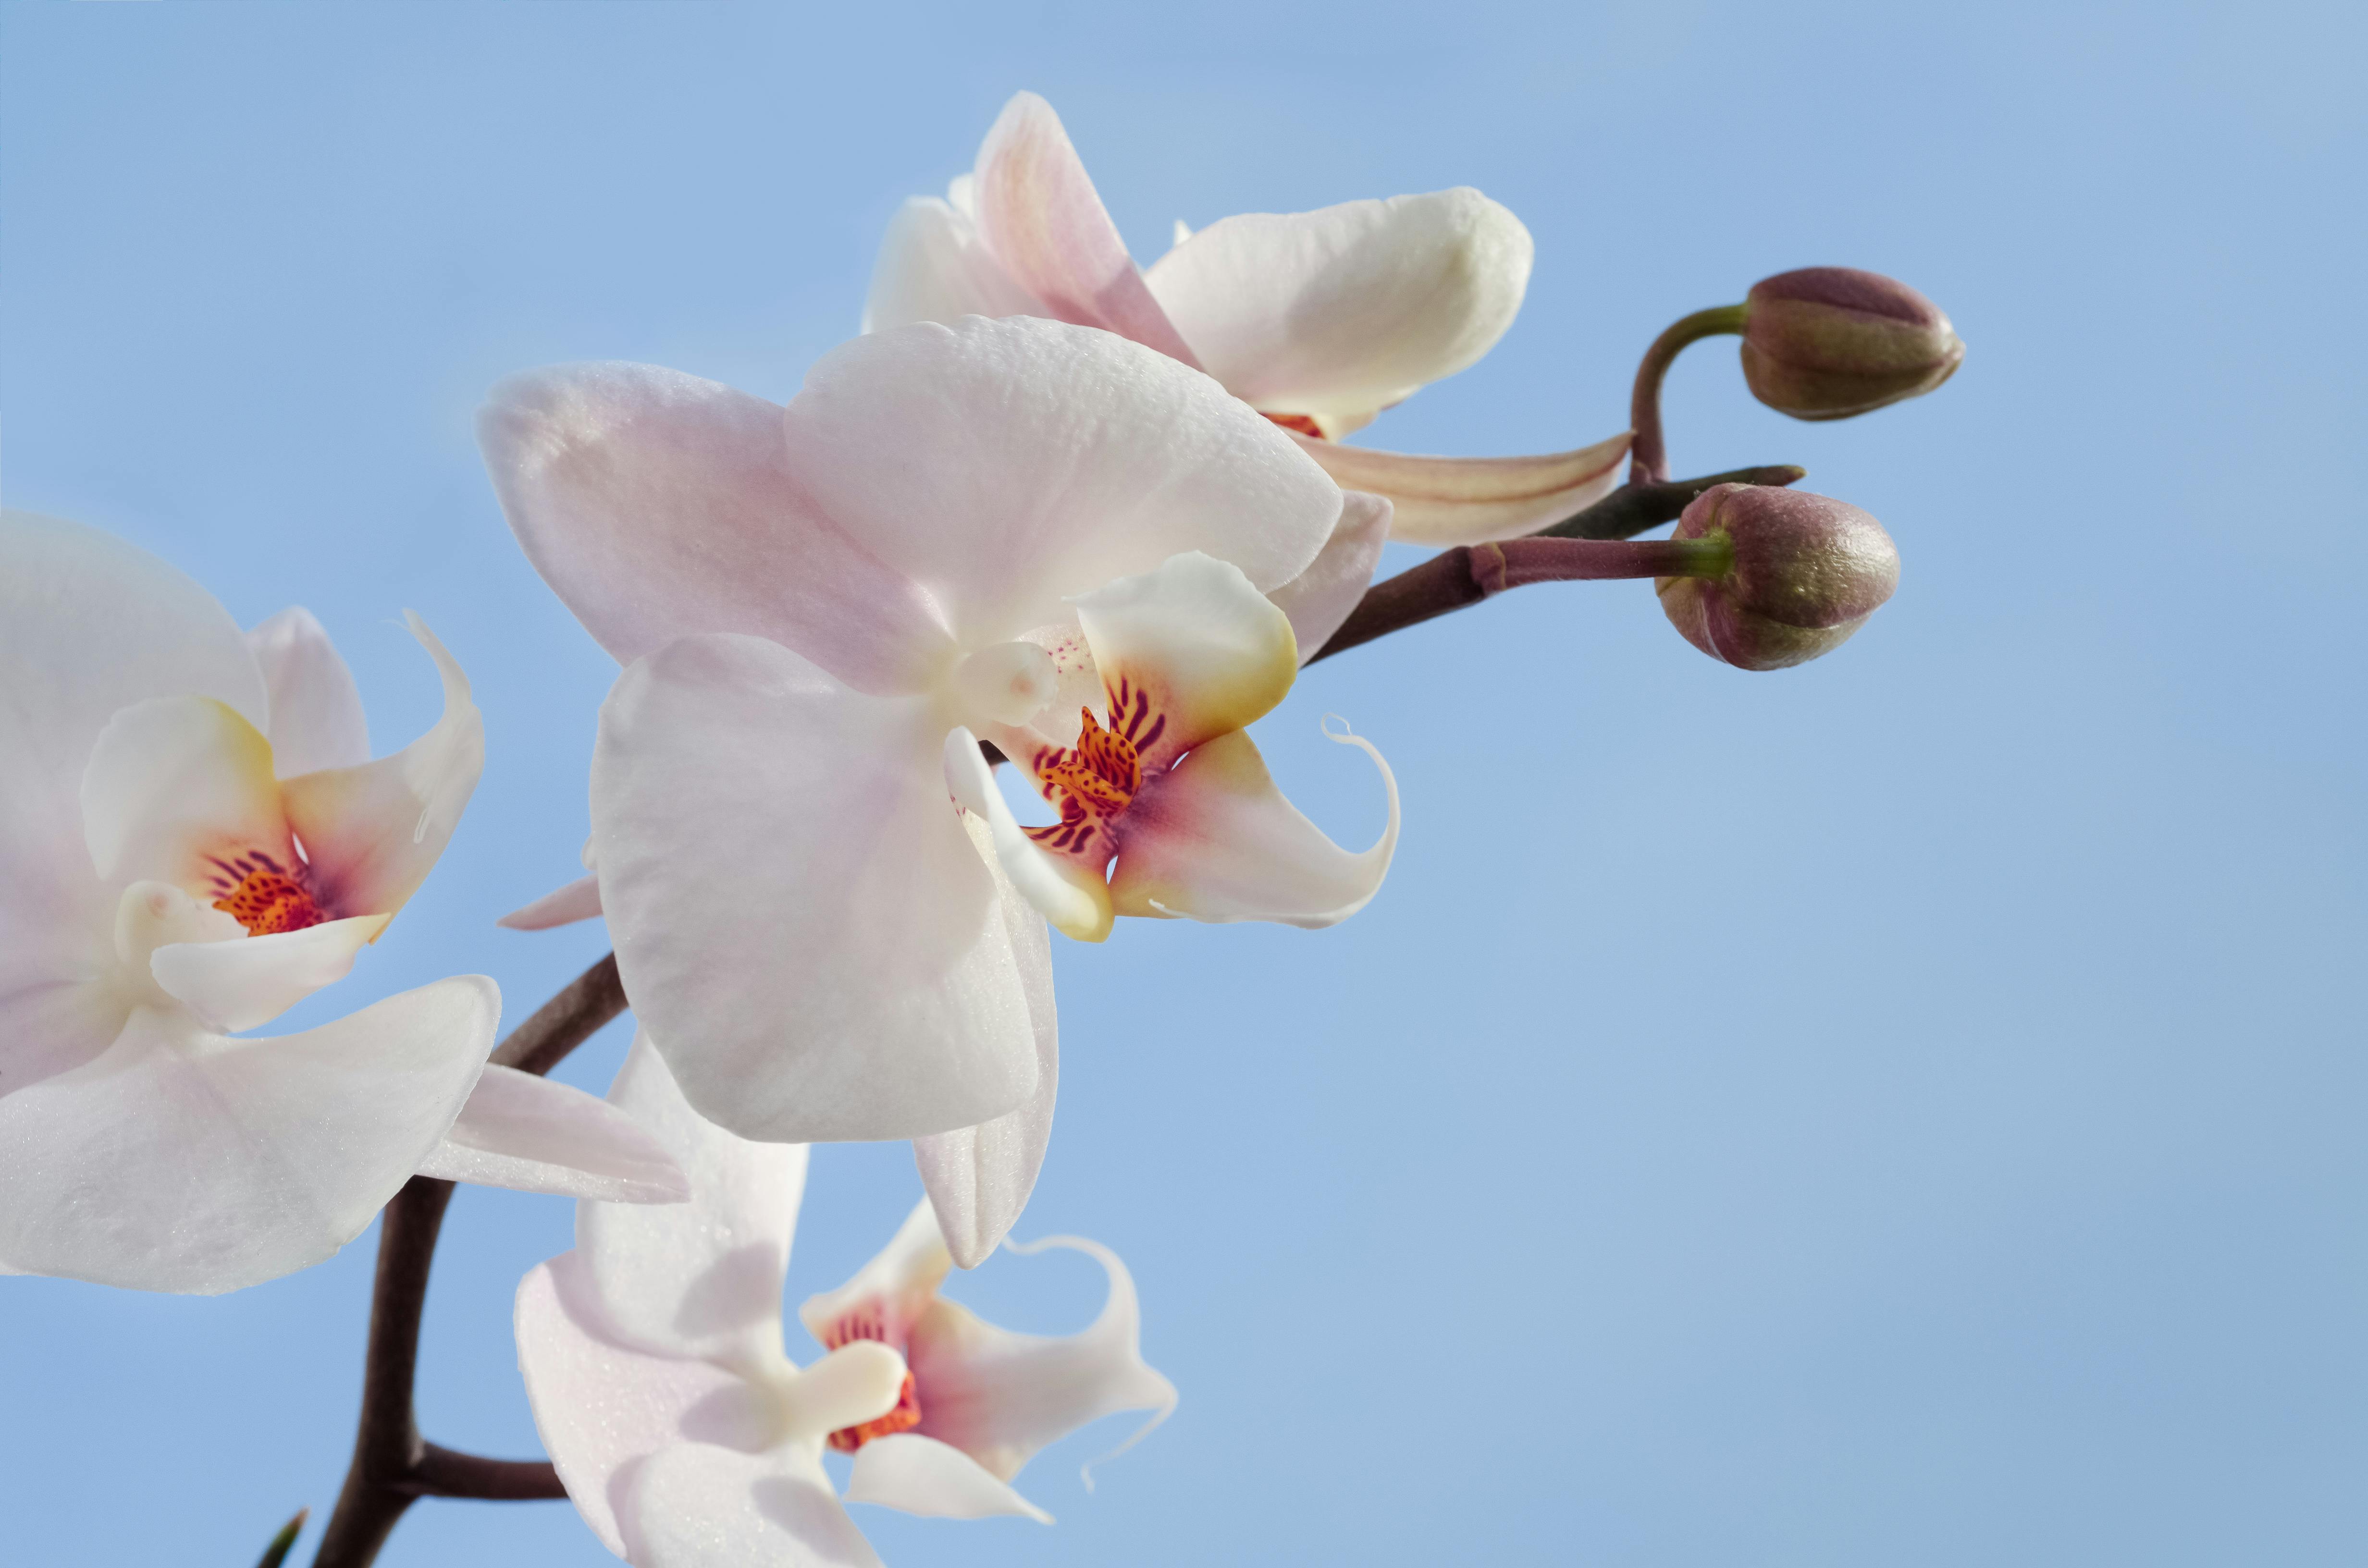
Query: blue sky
[[1905, 1110]]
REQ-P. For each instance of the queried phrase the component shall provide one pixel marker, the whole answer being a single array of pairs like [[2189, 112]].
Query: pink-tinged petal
[[1214, 840], [1189, 652], [579, 900], [88, 626], [703, 1277], [658, 504], [1320, 598], [603, 1407], [527, 1133], [1351, 308], [699, 1507], [890, 1292], [316, 709], [979, 1177], [1041, 216], [373, 833], [178, 788], [937, 1480], [1072, 896], [933, 266], [999, 1396], [800, 918], [1475, 500], [179, 1160], [1006, 466], [245, 982]]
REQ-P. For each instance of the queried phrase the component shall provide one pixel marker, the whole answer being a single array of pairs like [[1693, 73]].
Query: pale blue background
[[1906, 1110]]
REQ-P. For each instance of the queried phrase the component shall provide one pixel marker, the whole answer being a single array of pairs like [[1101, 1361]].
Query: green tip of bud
[[1807, 572], [1829, 342], [277, 1553]]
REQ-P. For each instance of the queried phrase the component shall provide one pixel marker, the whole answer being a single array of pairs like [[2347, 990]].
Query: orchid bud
[[1802, 573], [1828, 342]]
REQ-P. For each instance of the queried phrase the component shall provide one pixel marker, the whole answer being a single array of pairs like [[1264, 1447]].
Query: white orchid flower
[[654, 1359], [810, 601], [195, 840], [1319, 320]]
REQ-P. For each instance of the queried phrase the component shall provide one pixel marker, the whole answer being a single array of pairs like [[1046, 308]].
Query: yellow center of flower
[[263, 895]]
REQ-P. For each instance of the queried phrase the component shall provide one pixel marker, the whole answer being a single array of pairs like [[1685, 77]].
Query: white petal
[[979, 1177], [1195, 642], [937, 1480], [603, 1407], [373, 833], [800, 918], [1214, 840], [697, 1506], [245, 982], [702, 1277], [1069, 895], [999, 1396], [1041, 216], [657, 505], [889, 1291], [523, 1131], [1475, 500], [1008, 465], [88, 626], [1320, 598], [175, 783], [316, 710], [934, 266], [579, 900], [1350, 309], [183, 1161]]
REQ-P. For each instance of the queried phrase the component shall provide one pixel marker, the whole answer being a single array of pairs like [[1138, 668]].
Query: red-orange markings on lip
[[261, 895]]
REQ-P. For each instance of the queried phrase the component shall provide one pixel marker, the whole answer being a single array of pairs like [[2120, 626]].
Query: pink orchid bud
[[1804, 573], [1828, 342]]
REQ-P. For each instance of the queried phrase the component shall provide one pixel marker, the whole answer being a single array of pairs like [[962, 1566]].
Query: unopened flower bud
[[1828, 342], [1804, 572]]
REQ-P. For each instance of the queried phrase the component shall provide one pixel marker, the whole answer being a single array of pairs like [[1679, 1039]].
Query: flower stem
[[1648, 462], [393, 1465], [1588, 545]]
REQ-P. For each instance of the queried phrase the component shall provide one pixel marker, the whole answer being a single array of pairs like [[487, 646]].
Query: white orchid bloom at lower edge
[[653, 1361], [195, 840], [809, 602], [1319, 320]]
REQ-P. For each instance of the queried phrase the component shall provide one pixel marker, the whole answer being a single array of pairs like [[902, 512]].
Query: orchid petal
[[978, 1178], [658, 504], [1474, 500], [316, 709], [1214, 840], [1320, 598], [525, 1132], [175, 780], [1038, 212], [603, 1407], [1189, 652], [579, 900], [373, 833], [1351, 308], [699, 1507], [933, 266], [247, 983], [999, 1396], [89, 625], [1006, 466], [890, 1291], [179, 1160], [762, 824], [937, 1480], [1069, 895], [701, 1278]]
